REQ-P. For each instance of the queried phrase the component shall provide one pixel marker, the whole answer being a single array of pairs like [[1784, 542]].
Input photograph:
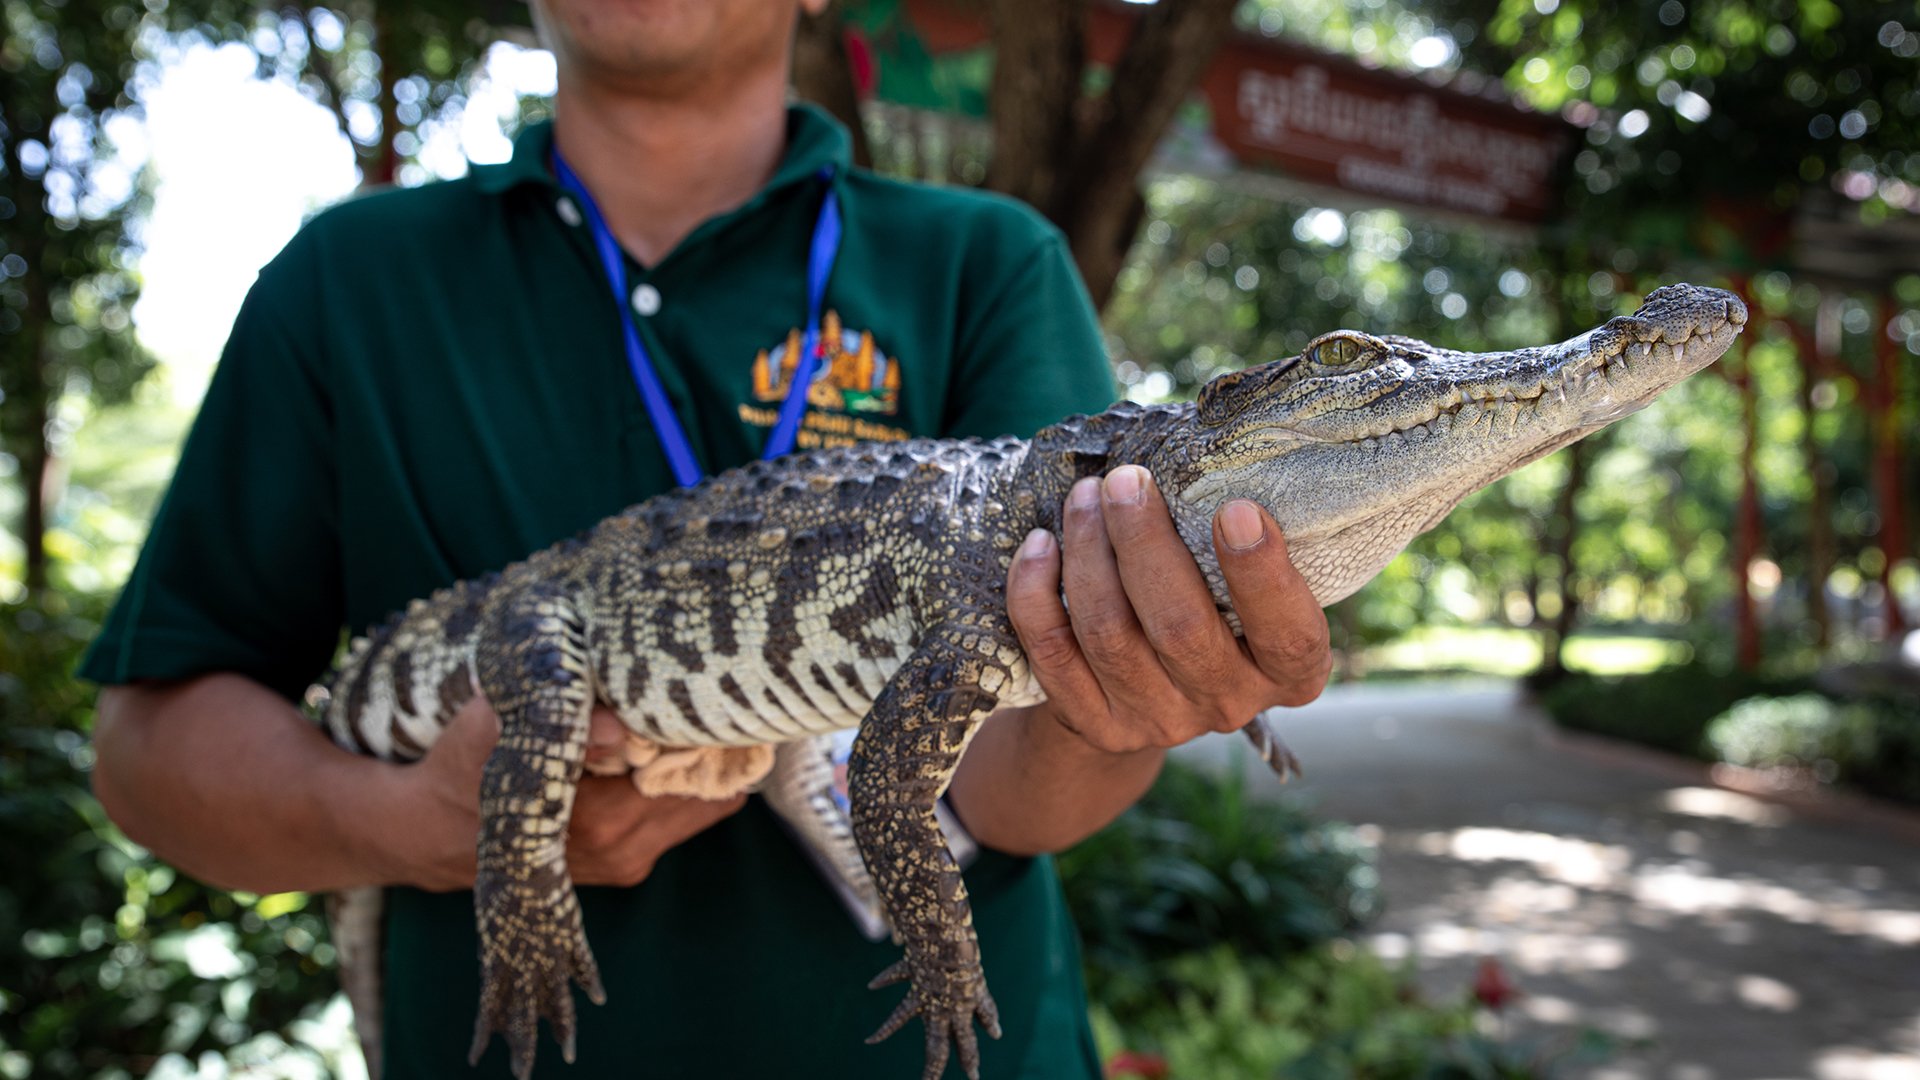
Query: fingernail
[[1085, 495], [1037, 545], [1240, 525], [1123, 485]]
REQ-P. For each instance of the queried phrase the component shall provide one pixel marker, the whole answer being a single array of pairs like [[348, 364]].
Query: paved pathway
[[1739, 939]]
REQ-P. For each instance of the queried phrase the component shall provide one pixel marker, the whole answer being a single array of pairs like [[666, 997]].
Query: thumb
[[468, 738]]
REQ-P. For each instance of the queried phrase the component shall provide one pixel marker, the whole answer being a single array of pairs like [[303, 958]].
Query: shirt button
[[646, 299], [568, 212]]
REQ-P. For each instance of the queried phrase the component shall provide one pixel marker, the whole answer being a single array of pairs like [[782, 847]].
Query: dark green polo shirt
[[429, 384]]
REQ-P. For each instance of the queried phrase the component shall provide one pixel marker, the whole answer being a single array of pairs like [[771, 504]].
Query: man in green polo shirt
[[426, 385]]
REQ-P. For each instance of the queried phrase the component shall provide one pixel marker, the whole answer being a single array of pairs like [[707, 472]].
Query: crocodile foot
[[531, 947], [949, 1001]]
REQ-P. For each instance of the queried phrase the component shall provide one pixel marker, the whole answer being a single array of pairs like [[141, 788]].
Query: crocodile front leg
[[908, 748], [533, 668]]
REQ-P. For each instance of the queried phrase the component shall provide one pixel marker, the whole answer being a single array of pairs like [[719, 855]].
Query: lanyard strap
[[666, 423]]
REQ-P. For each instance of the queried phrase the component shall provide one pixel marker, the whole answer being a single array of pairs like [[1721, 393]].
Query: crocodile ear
[[1345, 348], [1229, 395]]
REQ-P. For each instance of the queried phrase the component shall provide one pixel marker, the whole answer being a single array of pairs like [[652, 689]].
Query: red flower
[[1491, 987], [1134, 1063]]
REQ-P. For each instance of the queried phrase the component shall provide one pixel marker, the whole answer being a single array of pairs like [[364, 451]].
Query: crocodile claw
[[526, 964], [948, 1016]]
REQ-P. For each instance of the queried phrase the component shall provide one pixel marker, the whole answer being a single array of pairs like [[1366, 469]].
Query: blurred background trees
[[1746, 536]]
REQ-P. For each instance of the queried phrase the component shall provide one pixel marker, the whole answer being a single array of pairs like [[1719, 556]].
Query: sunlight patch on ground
[[1686, 888], [1724, 805], [1848, 1063], [1497, 650], [1576, 862]]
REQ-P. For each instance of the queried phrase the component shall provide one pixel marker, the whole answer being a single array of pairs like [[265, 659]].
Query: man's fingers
[[468, 738], [1168, 594], [1110, 636], [606, 743], [1046, 633], [617, 834], [1285, 629]]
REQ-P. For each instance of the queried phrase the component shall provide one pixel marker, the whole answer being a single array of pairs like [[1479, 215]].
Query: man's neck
[[660, 164]]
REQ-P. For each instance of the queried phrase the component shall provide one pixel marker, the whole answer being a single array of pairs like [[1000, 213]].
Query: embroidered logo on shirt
[[852, 380], [852, 375]]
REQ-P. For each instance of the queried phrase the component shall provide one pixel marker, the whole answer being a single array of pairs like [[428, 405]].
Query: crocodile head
[[1361, 443]]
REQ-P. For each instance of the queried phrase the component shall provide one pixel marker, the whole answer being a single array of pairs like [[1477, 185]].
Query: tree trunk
[[382, 163], [30, 443], [1746, 528], [823, 74], [1552, 663], [1889, 473], [1040, 60], [1077, 159]]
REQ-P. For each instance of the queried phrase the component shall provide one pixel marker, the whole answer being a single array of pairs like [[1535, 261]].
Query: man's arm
[[224, 779], [1136, 661]]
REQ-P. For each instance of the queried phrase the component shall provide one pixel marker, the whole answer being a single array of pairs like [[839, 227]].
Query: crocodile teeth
[[1592, 380], [1639, 350]]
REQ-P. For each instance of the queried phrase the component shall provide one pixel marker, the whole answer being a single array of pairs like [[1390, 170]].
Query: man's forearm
[[223, 778], [1028, 785]]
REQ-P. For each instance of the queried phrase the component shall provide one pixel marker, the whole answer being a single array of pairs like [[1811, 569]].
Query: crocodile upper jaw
[[1363, 442]]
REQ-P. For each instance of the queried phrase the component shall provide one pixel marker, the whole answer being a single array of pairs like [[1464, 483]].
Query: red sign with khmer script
[[1326, 119]]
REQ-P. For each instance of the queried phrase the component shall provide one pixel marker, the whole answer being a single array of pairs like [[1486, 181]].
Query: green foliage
[[108, 958], [1670, 709], [1197, 861], [1332, 1013], [66, 196], [1872, 745], [1214, 930], [1765, 731], [1738, 107]]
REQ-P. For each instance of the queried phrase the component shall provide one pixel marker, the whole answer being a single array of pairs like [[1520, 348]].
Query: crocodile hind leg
[[1266, 742], [534, 671], [908, 748]]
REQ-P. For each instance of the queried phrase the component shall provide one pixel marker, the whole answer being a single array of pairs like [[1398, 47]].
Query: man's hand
[[1138, 657], [615, 836]]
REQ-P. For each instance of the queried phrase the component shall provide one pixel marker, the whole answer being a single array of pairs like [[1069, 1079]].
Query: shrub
[[1333, 1012], [1197, 862], [109, 961], [1669, 709], [1872, 745], [1215, 930]]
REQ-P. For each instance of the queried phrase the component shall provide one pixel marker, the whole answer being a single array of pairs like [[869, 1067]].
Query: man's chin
[[636, 42]]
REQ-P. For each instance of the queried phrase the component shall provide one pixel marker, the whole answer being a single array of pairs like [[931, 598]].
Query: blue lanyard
[[666, 424]]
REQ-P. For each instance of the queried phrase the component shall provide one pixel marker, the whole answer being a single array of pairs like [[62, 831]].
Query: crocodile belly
[[757, 659]]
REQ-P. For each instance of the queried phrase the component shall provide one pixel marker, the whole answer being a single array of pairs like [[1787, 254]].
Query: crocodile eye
[[1344, 348], [1337, 351]]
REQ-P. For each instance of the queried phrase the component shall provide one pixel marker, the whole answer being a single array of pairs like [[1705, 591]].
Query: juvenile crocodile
[[866, 587]]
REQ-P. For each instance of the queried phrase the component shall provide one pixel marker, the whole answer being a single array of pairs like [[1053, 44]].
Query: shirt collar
[[815, 140]]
